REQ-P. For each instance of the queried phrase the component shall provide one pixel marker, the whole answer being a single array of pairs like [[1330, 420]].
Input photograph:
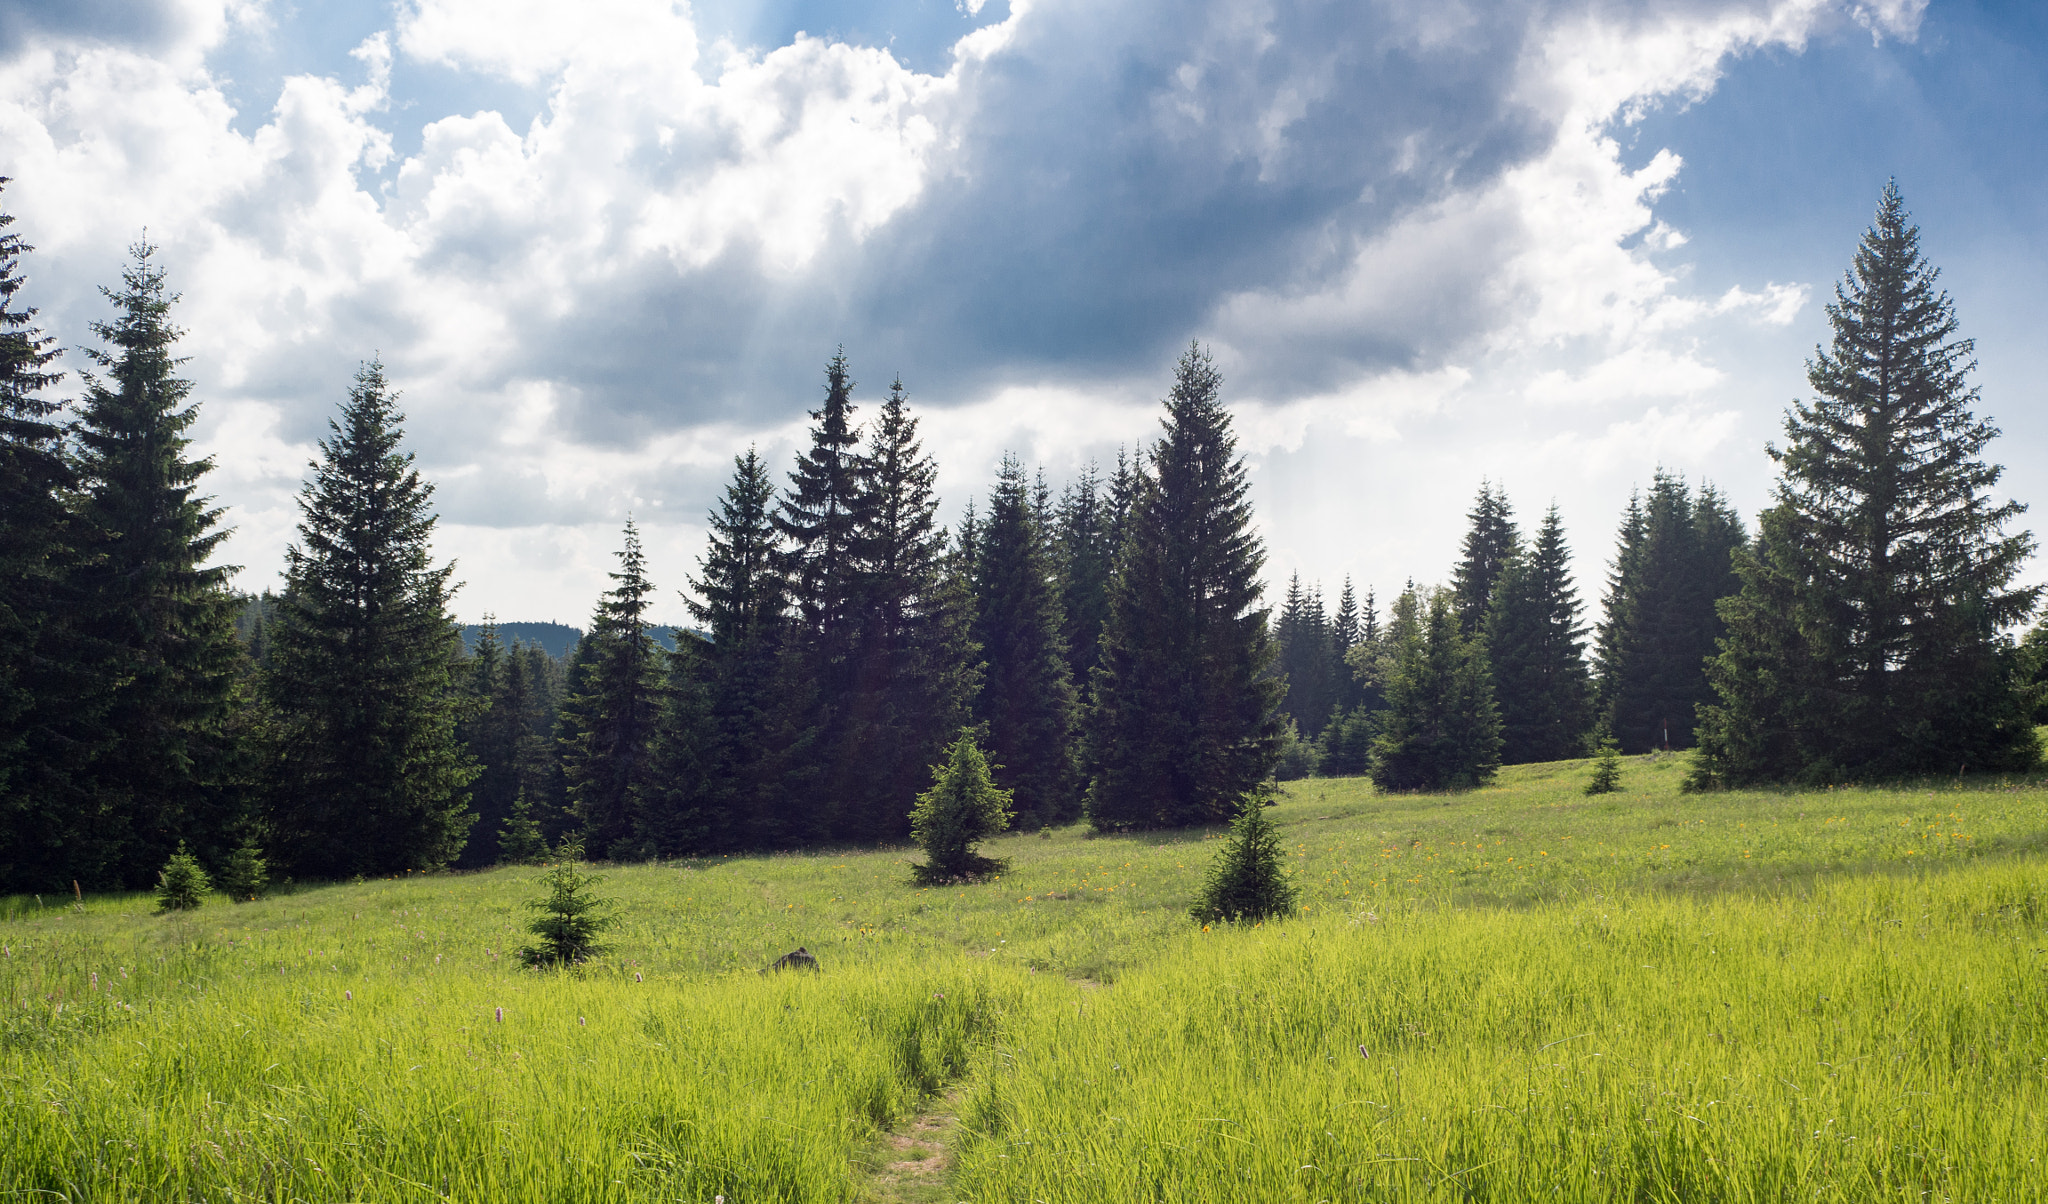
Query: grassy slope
[[222, 1052]]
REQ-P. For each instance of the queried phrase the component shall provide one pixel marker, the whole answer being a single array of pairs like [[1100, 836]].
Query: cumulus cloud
[[1387, 218]]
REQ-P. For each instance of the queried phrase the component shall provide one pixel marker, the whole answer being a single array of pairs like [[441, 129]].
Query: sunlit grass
[[344, 1042]]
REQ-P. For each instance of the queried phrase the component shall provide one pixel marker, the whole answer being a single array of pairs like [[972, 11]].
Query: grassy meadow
[[1515, 993]]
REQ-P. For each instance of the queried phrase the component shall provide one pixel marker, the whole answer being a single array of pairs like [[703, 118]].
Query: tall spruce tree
[[1027, 699], [1868, 636], [819, 519], [1186, 716], [608, 717], [1306, 659], [1442, 730], [1086, 554], [740, 596], [490, 735], [370, 777], [508, 732], [678, 807], [1673, 566], [44, 837], [1491, 541], [1347, 631], [913, 679], [160, 621], [1535, 646]]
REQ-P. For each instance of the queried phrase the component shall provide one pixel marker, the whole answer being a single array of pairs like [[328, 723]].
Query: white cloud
[[654, 177]]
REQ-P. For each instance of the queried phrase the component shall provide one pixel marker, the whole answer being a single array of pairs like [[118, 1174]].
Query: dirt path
[[914, 1165]]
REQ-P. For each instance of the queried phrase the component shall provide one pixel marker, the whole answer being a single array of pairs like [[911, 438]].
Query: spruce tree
[[912, 677], [45, 828], [1186, 715], [370, 777], [819, 519], [159, 619], [1491, 541], [1027, 700], [1305, 662], [740, 597], [608, 716], [678, 808], [1673, 567], [1086, 554], [1442, 730], [963, 807], [1347, 631], [1868, 636], [1535, 644], [506, 731], [1247, 881]]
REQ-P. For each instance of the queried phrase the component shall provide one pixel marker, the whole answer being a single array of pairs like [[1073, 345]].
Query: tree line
[[1106, 648]]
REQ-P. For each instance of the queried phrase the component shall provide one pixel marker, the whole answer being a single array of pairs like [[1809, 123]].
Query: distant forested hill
[[555, 639]]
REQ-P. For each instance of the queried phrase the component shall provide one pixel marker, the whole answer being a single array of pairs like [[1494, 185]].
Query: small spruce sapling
[[520, 841], [246, 873], [962, 807], [1606, 769], [570, 920], [1248, 879], [182, 885]]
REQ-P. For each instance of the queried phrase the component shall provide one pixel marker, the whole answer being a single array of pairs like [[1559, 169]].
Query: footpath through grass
[[1745, 996]]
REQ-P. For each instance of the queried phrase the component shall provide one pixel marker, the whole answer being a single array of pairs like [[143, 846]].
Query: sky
[[604, 247]]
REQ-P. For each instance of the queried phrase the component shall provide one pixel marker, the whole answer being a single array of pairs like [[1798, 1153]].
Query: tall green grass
[[1875, 1039], [342, 1042], [590, 1088]]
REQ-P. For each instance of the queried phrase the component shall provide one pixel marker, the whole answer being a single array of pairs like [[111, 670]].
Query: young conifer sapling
[[1248, 879], [962, 808], [182, 885]]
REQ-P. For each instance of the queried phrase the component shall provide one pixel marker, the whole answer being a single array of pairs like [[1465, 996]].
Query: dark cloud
[[142, 24], [1125, 168]]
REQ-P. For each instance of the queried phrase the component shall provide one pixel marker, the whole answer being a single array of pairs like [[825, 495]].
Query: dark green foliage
[[507, 731], [1027, 700], [369, 775], [1247, 880], [1085, 546], [245, 874], [1298, 757], [1535, 644], [46, 834], [911, 676], [2034, 671], [1491, 542], [158, 620], [520, 841], [1308, 660], [678, 808], [1185, 718], [819, 520], [1673, 564], [1442, 730], [1867, 636], [1347, 631], [181, 885], [608, 715], [1606, 777], [571, 918], [1344, 750], [740, 598], [963, 807]]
